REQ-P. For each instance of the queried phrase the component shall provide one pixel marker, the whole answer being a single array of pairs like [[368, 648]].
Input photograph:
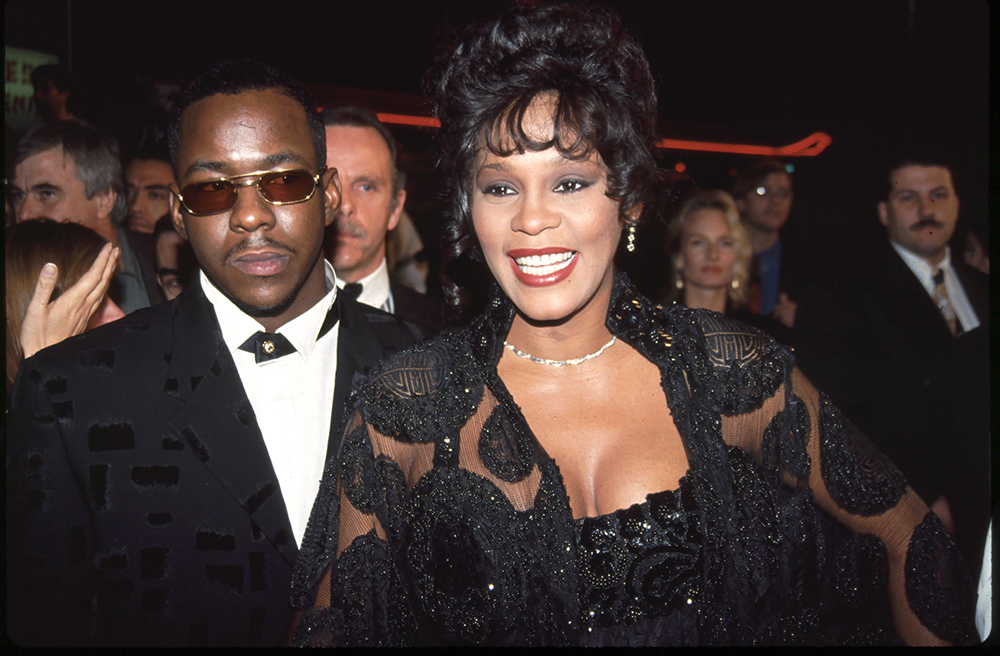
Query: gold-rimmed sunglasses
[[275, 187]]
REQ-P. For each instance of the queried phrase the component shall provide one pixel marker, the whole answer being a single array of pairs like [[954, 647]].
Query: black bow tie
[[353, 289], [268, 346]]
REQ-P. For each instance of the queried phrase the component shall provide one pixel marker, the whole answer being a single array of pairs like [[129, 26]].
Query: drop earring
[[630, 247]]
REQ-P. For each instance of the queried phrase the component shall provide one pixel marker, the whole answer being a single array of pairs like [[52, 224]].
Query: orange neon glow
[[403, 119], [812, 145], [680, 167]]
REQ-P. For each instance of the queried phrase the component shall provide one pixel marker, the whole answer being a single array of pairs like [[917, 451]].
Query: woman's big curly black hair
[[605, 101]]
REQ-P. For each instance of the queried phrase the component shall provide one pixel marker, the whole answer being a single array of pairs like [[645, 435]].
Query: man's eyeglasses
[[276, 187], [781, 193]]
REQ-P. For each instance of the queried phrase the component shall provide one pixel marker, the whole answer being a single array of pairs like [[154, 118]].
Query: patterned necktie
[[940, 297]]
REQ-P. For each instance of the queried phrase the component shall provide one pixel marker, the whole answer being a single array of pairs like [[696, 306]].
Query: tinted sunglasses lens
[[209, 197], [287, 186]]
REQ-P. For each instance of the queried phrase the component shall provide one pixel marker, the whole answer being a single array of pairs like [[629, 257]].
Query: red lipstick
[[541, 267]]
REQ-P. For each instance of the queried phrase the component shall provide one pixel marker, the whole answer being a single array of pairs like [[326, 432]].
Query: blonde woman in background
[[711, 253]]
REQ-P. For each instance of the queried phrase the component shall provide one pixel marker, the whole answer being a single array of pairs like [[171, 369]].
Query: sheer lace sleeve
[[353, 585], [794, 430], [349, 564]]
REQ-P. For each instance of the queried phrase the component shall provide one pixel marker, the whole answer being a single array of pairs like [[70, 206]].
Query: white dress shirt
[[291, 396], [375, 289], [956, 295]]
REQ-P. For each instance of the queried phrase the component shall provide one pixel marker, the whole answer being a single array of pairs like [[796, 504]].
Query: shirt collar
[[302, 331], [920, 267], [375, 286]]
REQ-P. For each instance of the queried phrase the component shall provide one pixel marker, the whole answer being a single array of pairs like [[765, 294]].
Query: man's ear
[[178, 218], [397, 211], [330, 182], [883, 213], [106, 203]]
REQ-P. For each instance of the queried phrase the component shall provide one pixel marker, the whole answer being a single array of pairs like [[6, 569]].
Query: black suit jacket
[[880, 349], [142, 505], [144, 246], [420, 309]]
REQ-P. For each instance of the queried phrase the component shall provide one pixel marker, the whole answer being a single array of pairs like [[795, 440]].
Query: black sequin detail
[[506, 449], [938, 587], [638, 562], [358, 471], [418, 394], [860, 479], [862, 570]]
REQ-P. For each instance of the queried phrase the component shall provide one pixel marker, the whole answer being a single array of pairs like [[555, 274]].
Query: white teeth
[[543, 265]]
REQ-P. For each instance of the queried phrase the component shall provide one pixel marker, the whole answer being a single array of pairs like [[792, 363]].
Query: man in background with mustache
[[903, 348], [161, 471], [373, 194]]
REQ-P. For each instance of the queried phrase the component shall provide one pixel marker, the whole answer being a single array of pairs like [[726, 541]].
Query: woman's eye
[[569, 186], [498, 189]]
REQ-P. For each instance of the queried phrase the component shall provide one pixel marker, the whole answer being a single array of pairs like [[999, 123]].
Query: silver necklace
[[559, 363]]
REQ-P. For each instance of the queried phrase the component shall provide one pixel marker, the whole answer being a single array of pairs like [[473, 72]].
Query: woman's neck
[[582, 334], [707, 298]]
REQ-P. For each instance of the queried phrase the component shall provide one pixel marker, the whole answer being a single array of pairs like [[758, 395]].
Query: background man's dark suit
[[880, 349], [420, 309], [136, 469]]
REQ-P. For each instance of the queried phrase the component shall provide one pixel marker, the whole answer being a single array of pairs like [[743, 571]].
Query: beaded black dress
[[443, 521]]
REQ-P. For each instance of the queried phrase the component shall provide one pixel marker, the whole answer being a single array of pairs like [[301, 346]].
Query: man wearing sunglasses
[[161, 473]]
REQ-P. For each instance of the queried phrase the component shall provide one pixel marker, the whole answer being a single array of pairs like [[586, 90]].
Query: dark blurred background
[[876, 75]]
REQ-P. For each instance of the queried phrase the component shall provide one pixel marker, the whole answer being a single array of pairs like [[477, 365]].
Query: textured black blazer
[[878, 346], [142, 507]]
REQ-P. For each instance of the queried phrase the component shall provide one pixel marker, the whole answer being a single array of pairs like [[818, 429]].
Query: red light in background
[[680, 167], [403, 119], [812, 145]]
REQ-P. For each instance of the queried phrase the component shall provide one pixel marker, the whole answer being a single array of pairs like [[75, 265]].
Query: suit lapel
[[357, 352], [217, 422], [908, 301]]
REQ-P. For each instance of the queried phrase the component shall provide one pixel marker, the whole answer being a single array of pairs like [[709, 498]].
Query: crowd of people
[[234, 421]]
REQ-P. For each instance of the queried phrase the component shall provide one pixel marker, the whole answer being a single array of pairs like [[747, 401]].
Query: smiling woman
[[580, 466]]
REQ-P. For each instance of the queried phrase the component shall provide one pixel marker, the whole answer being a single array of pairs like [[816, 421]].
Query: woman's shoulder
[[430, 387], [738, 365]]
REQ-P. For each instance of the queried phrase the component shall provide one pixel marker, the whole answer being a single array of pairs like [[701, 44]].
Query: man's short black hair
[[238, 76], [51, 72], [362, 118], [913, 158], [95, 155]]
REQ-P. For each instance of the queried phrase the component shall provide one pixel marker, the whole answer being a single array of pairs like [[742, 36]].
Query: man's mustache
[[260, 242], [351, 229], [927, 223]]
